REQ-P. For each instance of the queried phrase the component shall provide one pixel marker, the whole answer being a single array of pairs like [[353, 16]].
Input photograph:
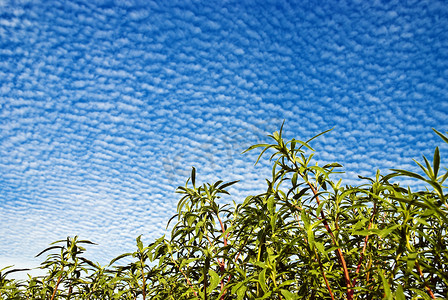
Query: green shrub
[[305, 237]]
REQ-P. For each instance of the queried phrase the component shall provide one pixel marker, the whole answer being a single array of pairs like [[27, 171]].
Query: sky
[[105, 106]]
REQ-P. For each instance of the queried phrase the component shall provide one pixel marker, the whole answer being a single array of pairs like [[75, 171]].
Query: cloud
[[105, 108]]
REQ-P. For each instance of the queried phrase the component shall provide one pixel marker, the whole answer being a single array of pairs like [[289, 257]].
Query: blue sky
[[106, 105]]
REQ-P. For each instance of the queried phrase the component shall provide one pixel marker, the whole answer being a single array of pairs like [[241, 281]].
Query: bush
[[305, 237]]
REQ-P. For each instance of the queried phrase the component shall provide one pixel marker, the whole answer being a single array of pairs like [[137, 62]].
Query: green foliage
[[305, 237]]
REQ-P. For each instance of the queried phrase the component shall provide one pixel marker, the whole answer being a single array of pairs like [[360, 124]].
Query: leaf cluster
[[305, 237]]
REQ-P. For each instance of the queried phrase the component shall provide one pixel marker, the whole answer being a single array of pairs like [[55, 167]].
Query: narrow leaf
[[303, 144], [48, 249], [385, 232], [444, 138], [410, 261], [262, 280], [333, 165], [300, 193], [429, 171], [399, 294], [319, 135], [421, 293], [409, 174], [386, 286], [193, 176], [255, 146], [214, 280], [14, 270], [139, 243], [436, 162], [119, 257], [228, 184], [288, 295]]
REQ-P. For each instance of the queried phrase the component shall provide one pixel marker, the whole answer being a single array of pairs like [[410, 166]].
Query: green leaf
[[86, 242], [294, 180], [262, 280], [410, 261], [300, 193], [193, 176], [139, 243], [333, 165], [310, 236], [319, 170], [421, 293], [319, 135], [444, 138], [265, 296], [436, 162], [90, 263], [241, 292], [304, 144], [236, 287], [186, 262], [399, 294], [259, 145], [50, 248], [214, 280], [385, 232], [119, 257], [442, 178], [306, 219], [409, 174], [428, 170], [256, 146], [367, 232], [319, 208], [321, 248], [13, 271], [288, 295], [386, 286], [271, 205], [228, 184]]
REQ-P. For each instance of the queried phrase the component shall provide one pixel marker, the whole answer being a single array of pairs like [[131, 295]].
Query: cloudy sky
[[106, 105]]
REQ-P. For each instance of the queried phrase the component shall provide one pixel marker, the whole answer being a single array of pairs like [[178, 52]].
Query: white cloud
[[105, 110]]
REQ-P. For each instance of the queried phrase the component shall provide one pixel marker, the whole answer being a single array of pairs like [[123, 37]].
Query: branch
[[325, 277], [358, 268], [185, 276], [338, 251], [57, 283], [143, 279], [426, 284]]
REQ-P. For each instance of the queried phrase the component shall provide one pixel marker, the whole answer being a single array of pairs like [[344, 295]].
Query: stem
[[338, 251], [361, 257], [222, 229], [143, 279], [236, 259], [206, 267], [325, 277], [222, 266], [185, 276], [426, 284], [57, 283]]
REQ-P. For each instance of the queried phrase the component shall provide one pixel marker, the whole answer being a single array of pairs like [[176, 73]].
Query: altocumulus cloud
[[105, 106]]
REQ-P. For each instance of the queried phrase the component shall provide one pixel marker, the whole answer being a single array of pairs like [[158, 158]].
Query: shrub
[[305, 237]]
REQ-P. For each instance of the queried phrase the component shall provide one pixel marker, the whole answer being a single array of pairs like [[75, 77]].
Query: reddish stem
[[358, 268], [143, 280], [426, 284], [57, 284], [338, 251], [325, 277]]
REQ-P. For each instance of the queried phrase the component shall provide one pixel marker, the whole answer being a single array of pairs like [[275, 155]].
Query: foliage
[[305, 237]]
